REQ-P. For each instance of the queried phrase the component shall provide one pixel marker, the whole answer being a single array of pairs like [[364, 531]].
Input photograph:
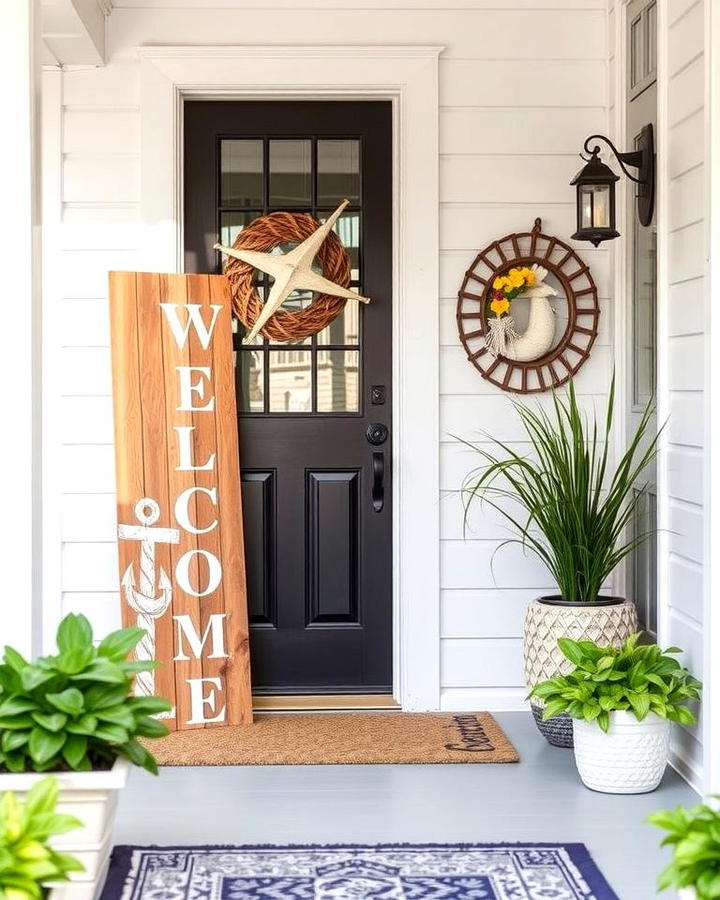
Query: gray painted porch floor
[[538, 799]]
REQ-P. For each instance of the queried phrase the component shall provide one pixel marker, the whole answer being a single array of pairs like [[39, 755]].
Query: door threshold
[[323, 702]]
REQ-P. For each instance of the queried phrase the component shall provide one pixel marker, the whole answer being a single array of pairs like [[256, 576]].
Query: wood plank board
[[181, 552]]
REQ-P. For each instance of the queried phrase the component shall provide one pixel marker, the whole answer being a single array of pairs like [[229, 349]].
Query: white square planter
[[92, 798]]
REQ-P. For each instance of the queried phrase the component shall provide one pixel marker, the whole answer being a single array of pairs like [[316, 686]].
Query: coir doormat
[[397, 871], [341, 738]]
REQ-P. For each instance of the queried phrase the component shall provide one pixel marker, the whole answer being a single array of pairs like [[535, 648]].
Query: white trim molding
[[20, 455], [711, 734], [408, 77]]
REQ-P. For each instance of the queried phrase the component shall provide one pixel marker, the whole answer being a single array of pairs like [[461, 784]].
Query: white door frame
[[408, 76]]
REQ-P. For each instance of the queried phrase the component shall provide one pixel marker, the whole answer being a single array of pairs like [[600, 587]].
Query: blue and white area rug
[[353, 872]]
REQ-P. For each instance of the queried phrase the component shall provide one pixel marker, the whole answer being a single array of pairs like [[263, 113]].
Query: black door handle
[[378, 488]]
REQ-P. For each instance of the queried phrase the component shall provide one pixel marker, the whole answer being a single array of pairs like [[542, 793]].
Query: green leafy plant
[[694, 834], [75, 710], [577, 509], [641, 678], [27, 861]]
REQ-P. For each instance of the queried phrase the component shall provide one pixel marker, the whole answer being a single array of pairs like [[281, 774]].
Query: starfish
[[292, 271]]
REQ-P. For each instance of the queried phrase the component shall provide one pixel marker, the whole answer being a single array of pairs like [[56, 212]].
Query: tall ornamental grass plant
[[577, 505]]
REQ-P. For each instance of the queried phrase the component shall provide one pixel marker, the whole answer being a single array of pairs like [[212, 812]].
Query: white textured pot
[[629, 759], [92, 797], [687, 893]]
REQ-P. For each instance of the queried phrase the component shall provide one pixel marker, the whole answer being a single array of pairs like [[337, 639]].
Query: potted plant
[[694, 835], [575, 510], [28, 861], [622, 702], [74, 714]]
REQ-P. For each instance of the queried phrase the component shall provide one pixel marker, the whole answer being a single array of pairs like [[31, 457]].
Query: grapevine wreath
[[265, 233]]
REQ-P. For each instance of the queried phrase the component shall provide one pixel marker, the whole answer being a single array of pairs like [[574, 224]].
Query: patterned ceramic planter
[[629, 759], [608, 622]]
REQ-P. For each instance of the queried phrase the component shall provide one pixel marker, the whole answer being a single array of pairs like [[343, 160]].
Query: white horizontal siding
[[504, 33], [521, 84], [686, 354]]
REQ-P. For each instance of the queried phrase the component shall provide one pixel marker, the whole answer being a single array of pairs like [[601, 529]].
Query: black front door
[[317, 491]]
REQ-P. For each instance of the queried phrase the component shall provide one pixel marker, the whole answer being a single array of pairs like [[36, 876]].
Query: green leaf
[[139, 756], [13, 659], [10, 681], [41, 797], [118, 644], [571, 650], [102, 696], [74, 633], [151, 728], [117, 715], [685, 716], [101, 669], [69, 701], [13, 706], [50, 721], [113, 734], [34, 676], [149, 705], [48, 824], [554, 708], [86, 724], [75, 749], [16, 722], [640, 704], [75, 660], [15, 762], [11, 740], [44, 745]]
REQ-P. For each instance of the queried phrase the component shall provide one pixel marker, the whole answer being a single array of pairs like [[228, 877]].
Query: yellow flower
[[516, 278], [501, 282], [530, 276], [500, 306]]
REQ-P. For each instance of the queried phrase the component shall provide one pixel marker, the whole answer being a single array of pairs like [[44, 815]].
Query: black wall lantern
[[595, 187]]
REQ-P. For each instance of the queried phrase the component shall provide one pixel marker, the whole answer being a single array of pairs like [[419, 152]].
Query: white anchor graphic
[[147, 606]]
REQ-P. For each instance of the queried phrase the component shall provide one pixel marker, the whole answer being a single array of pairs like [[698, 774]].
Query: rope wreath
[[265, 233]]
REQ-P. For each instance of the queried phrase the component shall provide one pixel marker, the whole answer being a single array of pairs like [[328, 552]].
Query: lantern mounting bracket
[[642, 159], [633, 159]]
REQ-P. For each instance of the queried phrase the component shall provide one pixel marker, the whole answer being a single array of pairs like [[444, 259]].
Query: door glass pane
[[241, 173], [337, 380], [249, 380], [290, 173], [240, 329], [344, 328], [232, 223], [290, 381], [636, 43], [651, 39], [644, 569], [338, 175], [347, 228], [643, 313]]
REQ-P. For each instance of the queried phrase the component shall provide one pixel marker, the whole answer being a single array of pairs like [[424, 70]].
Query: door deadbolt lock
[[376, 433]]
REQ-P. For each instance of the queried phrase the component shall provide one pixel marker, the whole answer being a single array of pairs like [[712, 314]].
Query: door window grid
[[642, 46], [322, 374]]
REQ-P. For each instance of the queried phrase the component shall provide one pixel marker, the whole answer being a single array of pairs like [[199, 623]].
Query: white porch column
[[20, 513]]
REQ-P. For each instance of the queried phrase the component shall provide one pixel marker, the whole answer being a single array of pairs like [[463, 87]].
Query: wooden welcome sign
[[180, 539]]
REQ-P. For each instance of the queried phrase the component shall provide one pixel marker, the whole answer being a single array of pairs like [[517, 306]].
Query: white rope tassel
[[501, 333]]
